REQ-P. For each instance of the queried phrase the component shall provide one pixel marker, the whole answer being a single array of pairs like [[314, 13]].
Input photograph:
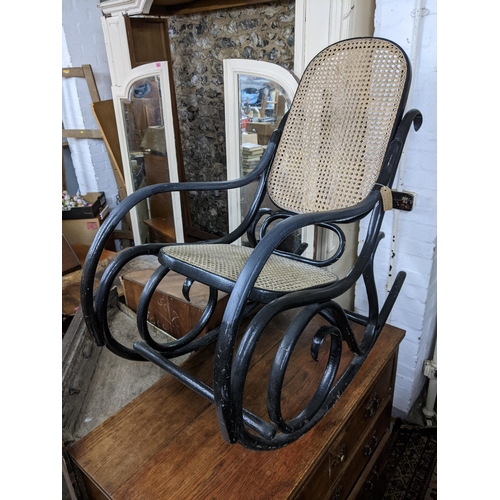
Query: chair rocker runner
[[326, 165]]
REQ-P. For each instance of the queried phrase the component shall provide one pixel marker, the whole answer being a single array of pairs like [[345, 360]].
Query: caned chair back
[[340, 123]]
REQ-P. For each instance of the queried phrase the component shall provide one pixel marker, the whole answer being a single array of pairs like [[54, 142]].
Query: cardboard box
[[263, 130], [169, 310], [96, 202], [83, 230]]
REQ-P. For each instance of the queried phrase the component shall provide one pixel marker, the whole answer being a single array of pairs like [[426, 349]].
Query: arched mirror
[[145, 127], [256, 96]]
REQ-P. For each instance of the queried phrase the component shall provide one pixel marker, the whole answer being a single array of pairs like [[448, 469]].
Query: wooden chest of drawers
[[346, 457], [166, 444]]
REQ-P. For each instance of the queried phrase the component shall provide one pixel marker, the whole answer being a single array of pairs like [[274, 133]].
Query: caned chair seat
[[278, 275]]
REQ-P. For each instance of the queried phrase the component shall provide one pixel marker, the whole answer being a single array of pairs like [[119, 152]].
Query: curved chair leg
[[230, 371], [391, 298], [98, 313], [186, 342], [229, 390]]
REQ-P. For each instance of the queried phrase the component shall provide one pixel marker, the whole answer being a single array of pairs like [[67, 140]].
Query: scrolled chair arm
[[273, 238], [395, 149], [132, 200], [225, 405], [295, 254]]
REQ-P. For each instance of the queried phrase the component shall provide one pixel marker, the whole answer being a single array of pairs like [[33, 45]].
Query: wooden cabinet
[[346, 458], [145, 100], [147, 40], [166, 443]]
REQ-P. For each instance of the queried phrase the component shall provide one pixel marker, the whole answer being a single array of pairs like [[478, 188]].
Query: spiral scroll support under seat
[[187, 342], [280, 365], [184, 345], [323, 398], [99, 312]]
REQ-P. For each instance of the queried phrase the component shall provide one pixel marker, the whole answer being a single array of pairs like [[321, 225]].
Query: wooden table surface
[[166, 443]]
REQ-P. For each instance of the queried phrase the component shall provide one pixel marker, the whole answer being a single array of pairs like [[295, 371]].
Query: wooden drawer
[[339, 455], [361, 455], [373, 480]]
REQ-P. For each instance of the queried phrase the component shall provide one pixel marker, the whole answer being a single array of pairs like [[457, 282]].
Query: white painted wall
[[83, 43], [416, 240]]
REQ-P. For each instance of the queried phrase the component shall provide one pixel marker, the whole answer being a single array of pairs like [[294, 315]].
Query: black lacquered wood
[[237, 338]]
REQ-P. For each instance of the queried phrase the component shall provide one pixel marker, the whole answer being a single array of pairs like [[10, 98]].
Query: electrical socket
[[402, 200]]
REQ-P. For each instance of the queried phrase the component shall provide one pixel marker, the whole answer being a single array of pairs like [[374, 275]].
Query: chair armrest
[[109, 225], [273, 238]]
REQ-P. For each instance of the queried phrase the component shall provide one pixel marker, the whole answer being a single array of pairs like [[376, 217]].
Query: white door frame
[[319, 23]]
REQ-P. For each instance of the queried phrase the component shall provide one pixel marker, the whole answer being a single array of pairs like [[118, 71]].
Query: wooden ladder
[[105, 117]]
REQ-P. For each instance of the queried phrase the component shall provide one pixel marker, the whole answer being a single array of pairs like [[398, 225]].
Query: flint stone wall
[[199, 44]]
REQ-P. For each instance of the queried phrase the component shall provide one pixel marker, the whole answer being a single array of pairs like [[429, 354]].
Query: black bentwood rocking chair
[[328, 163]]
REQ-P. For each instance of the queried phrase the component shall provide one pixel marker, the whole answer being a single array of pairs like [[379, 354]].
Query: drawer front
[[341, 450], [361, 455], [374, 480], [321, 479], [339, 453]]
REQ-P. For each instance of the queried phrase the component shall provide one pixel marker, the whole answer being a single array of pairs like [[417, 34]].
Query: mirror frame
[[156, 69], [233, 69]]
